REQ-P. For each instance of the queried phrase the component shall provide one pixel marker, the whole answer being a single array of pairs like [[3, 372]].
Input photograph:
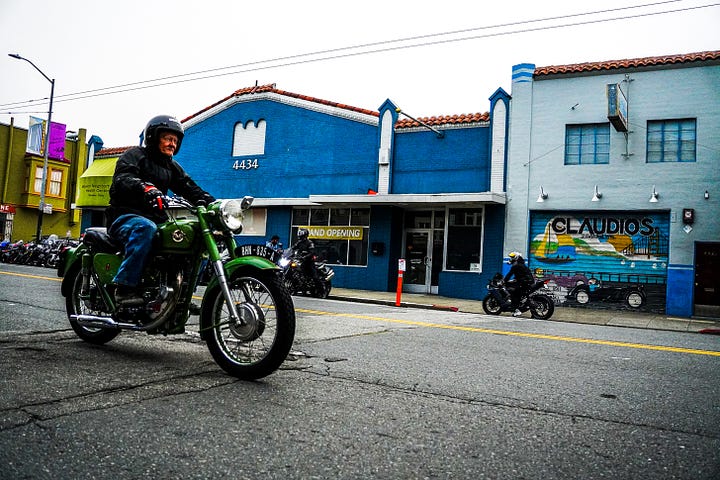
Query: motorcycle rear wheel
[[491, 305], [260, 346], [541, 307], [75, 305]]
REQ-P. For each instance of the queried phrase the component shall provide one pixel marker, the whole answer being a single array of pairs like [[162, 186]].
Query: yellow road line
[[542, 336], [13, 274], [518, 334]]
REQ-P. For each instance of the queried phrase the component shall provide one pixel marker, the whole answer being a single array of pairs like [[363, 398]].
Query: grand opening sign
[[335, 233]]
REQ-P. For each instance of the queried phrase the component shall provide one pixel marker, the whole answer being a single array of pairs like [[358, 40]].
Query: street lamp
[[38, 233]]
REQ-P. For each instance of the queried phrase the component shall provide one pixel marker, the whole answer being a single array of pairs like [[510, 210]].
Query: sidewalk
[[615, 318]]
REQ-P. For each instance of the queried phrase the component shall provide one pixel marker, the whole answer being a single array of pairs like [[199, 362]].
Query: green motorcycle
[[247, 317]]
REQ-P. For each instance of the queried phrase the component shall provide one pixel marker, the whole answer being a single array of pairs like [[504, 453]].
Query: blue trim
[[523, 72]]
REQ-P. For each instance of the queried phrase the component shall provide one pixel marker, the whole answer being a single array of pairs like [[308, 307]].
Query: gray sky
[[88, 45]]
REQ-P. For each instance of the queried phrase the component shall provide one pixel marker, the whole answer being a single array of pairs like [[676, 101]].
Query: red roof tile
[[111, 152], [271, 88], [629, 63], [444, 120]]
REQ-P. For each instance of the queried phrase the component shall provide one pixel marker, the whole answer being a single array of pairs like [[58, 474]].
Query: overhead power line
[[364, 49]]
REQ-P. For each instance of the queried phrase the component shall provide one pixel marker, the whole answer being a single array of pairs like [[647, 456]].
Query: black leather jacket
[[522, 274], [139, 166]]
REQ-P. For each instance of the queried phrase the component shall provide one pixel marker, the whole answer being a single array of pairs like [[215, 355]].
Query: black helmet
[[163, 123], [303, 233]]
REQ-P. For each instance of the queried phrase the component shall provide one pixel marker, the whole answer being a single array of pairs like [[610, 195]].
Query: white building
[[613, 181]]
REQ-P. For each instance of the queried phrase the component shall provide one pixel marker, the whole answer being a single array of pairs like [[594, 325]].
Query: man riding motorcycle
[[518, 280], [305, 250], [143, 176]]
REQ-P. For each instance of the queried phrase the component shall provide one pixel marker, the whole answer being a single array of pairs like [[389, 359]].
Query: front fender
[[249, 261]]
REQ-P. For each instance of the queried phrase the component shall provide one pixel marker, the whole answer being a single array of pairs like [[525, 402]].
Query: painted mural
[[602, 260]]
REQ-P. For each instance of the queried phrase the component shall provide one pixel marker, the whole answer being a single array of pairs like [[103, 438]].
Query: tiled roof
[[629, 63], [111, 152], [406, 123], [270, 88], [444, 120]]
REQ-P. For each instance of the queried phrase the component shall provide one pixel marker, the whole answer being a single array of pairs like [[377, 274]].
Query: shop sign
[[5, 208], [335, 233]]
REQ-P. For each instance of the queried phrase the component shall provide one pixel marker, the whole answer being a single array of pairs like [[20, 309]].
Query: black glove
[[155, 197], [205, 200]]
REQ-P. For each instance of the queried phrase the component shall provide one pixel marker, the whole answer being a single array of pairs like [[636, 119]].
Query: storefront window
[[335, 244], [464, 239]]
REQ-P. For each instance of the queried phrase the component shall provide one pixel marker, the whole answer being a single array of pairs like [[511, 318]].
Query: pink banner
[[57, 141]]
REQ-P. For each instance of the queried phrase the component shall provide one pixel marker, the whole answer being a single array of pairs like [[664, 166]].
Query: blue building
[[373, 188]]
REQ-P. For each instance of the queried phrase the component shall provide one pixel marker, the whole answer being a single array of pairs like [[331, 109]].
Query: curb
[[390, 303]]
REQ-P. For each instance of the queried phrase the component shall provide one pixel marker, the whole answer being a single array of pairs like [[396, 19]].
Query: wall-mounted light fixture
[[542, 196], [597, 195], [654, 195], [707, 195]]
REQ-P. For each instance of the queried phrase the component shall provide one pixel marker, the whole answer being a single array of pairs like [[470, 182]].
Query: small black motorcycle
[[296, 281], [540, 304]]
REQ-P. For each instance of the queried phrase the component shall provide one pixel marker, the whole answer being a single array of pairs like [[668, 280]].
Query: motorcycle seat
[[98, 239]]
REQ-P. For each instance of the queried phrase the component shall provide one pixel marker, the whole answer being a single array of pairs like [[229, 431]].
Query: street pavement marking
[[518, 334], [508, 333], [13, 274]]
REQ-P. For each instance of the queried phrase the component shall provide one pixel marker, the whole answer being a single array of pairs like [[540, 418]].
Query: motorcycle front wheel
[[257, 346], [491, 305], [322, 289], [90, 304], [541, 307]]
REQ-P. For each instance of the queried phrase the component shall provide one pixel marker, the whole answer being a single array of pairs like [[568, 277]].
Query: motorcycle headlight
[[231, 215]]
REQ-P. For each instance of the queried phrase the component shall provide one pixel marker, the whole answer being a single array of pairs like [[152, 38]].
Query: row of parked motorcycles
[[45, 253]]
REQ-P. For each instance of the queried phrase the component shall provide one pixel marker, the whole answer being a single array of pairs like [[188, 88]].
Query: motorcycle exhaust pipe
[[330, 275], [93, 321]]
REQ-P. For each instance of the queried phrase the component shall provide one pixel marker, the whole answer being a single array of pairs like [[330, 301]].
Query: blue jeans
[[136, 233]]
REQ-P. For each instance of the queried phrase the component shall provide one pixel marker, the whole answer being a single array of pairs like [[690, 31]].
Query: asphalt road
[[369, 392]]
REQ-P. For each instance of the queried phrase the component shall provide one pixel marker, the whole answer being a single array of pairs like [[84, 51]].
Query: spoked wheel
[[491, 305], [541, 307], [259, 344], [90, 304]]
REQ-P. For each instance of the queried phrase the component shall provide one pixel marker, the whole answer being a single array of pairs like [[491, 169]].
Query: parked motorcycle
[[247, 317], [540, 304], [296, 281]]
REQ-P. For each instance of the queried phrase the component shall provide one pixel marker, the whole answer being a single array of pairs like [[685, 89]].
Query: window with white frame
[[249, 138], [37, 187], [587, 144], [55, 182], [671, 140]]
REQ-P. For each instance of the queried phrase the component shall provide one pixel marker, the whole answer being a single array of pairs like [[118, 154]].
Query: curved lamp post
[[38, 233]]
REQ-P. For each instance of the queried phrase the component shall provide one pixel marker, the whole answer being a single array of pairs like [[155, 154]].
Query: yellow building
[[21, 182]]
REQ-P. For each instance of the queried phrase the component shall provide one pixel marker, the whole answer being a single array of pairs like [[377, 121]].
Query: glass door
[[418, 261]]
